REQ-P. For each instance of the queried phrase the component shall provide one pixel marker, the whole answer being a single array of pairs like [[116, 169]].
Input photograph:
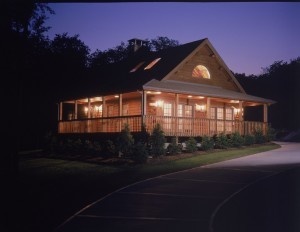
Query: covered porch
[[178, 108]]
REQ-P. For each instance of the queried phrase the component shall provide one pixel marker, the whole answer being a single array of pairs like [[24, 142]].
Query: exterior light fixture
[[189, 96], [158, 103], [116, 96], [201, 108]]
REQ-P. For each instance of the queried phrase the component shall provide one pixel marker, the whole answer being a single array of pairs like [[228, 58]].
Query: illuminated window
[[152, 64], [201, 72], [188, 111], [137, 67], [125, 110]]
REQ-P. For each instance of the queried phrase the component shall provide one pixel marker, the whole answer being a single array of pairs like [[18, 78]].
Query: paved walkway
[[185, 201]]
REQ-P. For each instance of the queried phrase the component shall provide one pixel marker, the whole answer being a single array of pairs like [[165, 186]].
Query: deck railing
[[172, 126]]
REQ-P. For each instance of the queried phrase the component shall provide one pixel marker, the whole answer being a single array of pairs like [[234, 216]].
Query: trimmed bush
[[249, 140], [157, 141], [109, 149], [125, 141], [191, 145], [222, 141], [173, 147], [140, 153], [236, 139], [207, 143], [259, 137], [271, 134]]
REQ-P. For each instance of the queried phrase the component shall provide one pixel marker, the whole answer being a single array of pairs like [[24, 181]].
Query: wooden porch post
[[176, 116], [60, 111], [265, 119], [89, 108], [121, 112], [144, 108], [224, 118], [208, 113], [241, 117], [103, 107], [76, 110]]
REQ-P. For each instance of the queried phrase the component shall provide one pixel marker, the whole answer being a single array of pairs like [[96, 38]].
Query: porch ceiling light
[[116, 96], [189, 96]]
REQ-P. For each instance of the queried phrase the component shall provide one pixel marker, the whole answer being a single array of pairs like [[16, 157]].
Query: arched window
[[201, 71]]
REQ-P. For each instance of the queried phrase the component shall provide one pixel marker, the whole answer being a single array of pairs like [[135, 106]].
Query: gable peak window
[[149, 66], [201, 71]]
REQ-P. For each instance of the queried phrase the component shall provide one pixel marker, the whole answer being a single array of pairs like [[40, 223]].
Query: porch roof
[[203, 90]]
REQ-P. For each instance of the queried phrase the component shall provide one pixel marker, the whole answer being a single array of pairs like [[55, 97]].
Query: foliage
[[259, 137], [161, 42], [109, 148], [191, 145], [143, 136], [140, 153], [173, 148], [157, 141], [236, 139], [271, 134], [221, 141], [249, 139], [125, 141], [207, 143]]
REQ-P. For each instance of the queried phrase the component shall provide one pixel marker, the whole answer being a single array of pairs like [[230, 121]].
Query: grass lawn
[[51, 190]]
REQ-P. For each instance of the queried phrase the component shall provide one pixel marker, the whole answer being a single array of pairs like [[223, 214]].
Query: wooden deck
[[172, 126]]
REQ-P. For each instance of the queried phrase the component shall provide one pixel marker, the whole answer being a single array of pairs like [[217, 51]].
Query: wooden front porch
[[179, 114], [172, 126]]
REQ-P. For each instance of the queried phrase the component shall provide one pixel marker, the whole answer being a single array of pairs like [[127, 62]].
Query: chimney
[[136, 43]]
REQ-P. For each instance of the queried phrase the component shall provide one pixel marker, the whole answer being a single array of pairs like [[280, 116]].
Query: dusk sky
[[247, 35]]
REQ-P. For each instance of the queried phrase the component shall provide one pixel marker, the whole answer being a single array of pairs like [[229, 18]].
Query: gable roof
[[117, 78]]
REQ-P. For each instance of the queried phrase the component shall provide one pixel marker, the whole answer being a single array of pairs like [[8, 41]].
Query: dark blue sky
[[247, 35]]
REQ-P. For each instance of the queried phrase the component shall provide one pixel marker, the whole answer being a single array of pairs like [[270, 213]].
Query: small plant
[[236, 139], [271, 134], [207, 143], [109, 149], [191, 145], [125, 141], [140, 153], [249, 140], [259, 137], [157, 141], [222, 141], [173, 147]]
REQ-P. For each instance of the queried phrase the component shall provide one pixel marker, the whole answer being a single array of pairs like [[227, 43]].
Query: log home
[[187, 89]]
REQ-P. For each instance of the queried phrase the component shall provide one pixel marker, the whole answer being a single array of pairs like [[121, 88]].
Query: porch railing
[[172, 126]]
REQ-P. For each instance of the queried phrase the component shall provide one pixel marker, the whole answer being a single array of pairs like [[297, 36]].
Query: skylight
[[152, 64], [137, 67]]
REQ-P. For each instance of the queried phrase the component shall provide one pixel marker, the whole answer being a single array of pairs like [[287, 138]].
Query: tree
[[161, 42], [125, 141]]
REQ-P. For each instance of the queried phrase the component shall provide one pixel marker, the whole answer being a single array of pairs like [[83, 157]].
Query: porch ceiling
[[203, 90]]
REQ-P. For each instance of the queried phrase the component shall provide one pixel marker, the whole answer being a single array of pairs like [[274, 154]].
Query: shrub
[[109, 149], [191, 145], [222, 141], [236, 139], [207, 143], [140, 153], [271, 134], [157, 141], [173, 147], [259, 137], [143, 136], [249, 140], [125, 141]]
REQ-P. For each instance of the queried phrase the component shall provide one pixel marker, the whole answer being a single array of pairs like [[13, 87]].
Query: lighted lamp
[[201, 108], [157, 103]]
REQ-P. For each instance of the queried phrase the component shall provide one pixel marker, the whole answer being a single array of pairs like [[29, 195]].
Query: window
[[201, 72], [188, 111], [137, 67], [152, 64], [167, 109]]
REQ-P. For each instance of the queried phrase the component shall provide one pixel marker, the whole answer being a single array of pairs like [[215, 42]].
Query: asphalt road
[[256, 193]]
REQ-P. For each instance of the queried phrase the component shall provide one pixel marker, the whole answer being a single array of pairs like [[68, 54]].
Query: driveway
[[207, 198]]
